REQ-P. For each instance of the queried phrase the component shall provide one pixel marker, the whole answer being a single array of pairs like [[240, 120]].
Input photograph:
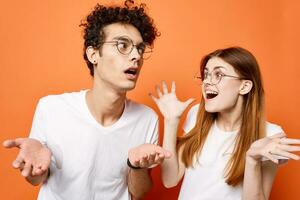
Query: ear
[[246, 87], [92, 54]]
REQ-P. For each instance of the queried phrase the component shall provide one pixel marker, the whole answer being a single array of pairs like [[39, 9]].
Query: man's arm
[[140, 159], [139, 182]]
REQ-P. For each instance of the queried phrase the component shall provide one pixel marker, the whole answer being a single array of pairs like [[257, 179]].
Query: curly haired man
[[96, 143]]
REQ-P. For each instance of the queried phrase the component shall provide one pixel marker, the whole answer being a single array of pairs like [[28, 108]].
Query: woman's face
[[221, 93]]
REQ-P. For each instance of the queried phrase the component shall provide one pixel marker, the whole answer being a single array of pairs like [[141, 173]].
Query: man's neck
[[105, 104]]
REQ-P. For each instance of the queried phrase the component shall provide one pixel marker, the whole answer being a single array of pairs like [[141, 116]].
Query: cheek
[[229, 94], [111, 67]]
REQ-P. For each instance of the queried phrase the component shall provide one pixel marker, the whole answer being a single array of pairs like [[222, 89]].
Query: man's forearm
[[139, 182]]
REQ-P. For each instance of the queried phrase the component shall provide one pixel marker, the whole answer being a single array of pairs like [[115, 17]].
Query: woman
[[228, 150]]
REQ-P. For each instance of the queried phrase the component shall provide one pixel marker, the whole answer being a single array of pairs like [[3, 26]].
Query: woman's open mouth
[[211, 94]]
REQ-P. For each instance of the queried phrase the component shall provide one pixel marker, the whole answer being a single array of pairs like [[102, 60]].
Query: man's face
[[114, 69]]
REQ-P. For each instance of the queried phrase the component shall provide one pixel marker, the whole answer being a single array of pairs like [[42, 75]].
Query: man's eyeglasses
[[125, 46], [215, 77]]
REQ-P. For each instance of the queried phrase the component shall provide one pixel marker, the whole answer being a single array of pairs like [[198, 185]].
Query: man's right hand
[[33, 159]]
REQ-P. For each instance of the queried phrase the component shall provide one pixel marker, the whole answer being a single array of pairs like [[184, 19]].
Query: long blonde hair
[[253, 121]]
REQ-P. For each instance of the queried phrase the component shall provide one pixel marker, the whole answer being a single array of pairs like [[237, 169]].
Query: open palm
[[33, 158], [167, 102]]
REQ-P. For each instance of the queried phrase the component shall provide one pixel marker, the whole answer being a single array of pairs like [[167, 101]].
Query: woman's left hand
[[274, 146]]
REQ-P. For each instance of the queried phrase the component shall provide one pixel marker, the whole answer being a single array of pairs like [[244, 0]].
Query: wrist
[[132, 166], [251, 160]]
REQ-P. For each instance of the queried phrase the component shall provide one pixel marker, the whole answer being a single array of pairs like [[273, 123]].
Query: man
[[96, 138]]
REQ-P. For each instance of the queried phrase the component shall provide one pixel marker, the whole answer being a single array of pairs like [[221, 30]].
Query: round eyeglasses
[[215, 77], [125, 46]]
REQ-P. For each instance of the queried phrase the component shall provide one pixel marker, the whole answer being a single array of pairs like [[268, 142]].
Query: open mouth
[[211, 94], [131, 71]]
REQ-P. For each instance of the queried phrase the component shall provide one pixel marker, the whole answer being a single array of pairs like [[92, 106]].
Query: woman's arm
[[172, 109], [258, 179], [173, 168], [259, 175]]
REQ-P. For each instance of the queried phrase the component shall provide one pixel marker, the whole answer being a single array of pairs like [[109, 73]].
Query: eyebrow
[[120, 37], [216, 67], [125, 37]]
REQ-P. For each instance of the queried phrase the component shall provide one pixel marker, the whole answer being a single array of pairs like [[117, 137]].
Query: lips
[[210, 94], [131, 73]]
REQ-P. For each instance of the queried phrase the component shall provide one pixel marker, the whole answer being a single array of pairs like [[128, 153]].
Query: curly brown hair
[[105, 15]]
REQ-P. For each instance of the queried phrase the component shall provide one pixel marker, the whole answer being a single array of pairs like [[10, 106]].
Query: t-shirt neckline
[[94, 121]]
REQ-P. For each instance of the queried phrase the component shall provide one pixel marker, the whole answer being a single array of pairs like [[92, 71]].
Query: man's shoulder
[[140, 108], [60, 99]]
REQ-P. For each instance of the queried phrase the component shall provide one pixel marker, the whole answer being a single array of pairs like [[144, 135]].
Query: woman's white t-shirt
[[206, 180]]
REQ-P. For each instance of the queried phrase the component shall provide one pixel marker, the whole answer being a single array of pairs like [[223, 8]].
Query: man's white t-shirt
[[89, 160], [206, 180]]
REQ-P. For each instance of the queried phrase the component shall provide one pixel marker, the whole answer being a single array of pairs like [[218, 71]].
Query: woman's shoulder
[[194, 109], [272, 129]]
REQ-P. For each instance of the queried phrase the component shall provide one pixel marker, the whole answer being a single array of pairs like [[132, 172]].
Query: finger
[[160, 150], [136, 163], [164, 87], [283, 161], [278, 135], [270, 157], [37, 169], [153, 98], [144, 161], [289, 141], [289, 148], [173, 87], [160, 158], [18, 161], [280, 152], [158, 91], [21, 167], [27, 169], [188, 102], [152, 157]]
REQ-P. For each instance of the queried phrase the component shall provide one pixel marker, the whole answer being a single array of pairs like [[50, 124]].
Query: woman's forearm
[[170, 167], [252, 185]]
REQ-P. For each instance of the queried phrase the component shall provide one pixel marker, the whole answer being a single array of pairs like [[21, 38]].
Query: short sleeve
[[38, 128], [272, 129], [190, 121], [152, 136]]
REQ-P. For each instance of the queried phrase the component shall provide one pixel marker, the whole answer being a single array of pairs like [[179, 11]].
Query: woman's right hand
[[167, 102]]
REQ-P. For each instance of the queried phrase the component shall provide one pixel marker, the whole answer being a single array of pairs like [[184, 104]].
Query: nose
[[208, 80], [135, 55]]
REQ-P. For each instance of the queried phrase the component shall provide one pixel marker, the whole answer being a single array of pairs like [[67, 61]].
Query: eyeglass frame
[[222, 75], [117, 40]]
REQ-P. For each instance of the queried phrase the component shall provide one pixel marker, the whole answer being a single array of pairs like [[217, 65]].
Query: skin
[[259, 176], [105, 100]]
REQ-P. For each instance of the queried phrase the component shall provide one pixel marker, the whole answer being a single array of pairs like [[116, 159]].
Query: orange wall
[[41, 53]]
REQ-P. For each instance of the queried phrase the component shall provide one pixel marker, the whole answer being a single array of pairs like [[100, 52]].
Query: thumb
[[13, 143], [188, 102], [278, 135]]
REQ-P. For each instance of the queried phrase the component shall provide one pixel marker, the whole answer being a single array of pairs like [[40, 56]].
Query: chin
[[128, 87], [211, 109]]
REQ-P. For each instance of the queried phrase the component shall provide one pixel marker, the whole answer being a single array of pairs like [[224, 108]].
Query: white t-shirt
[[206, 180], [89, 160]]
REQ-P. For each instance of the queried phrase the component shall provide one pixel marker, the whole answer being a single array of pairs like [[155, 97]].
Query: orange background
[[41, 53]]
